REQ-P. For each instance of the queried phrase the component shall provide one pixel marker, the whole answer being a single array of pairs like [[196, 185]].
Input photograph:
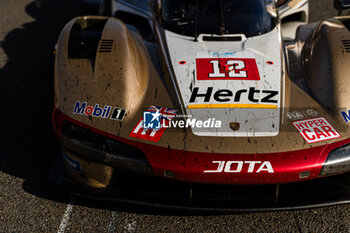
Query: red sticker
[[316, 130], [227, 69], [153, 135]]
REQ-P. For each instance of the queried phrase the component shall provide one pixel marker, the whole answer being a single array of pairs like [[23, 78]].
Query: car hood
[[230, 80]]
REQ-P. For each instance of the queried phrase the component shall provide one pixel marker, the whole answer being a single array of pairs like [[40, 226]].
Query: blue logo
[[151, 120], [224, 54], [75, 165], [346, 116]]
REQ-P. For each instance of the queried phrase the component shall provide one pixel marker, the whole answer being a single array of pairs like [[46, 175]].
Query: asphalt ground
[[28, 32]]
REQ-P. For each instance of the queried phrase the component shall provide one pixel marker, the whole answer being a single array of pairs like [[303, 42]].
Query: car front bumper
[[88, 144], [155, 193]]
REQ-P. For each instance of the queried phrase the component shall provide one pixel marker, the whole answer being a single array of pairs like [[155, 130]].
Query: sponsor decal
[[225, 98], [296, 115], [150, 126], [152, 120], [155, 116], [316, 130], [74, 164], [224, 54], [241, 166], [97, 111], [311, 112], [153, 135], [346, 116], [227, 69]]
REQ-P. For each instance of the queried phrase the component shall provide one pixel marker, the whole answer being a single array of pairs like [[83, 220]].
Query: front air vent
[[106, 46], [346, 44], [84, 37]]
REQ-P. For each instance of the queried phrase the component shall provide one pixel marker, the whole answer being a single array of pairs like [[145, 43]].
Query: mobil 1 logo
[[118, 114], [99, 111]]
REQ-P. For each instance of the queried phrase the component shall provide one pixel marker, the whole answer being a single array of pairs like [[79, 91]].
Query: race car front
[[206, 94]]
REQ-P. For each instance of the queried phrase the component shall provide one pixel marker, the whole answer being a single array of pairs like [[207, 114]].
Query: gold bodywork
[[92, 174], [126, 78]]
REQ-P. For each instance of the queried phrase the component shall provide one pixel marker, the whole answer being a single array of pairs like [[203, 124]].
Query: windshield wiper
[[222, 19]]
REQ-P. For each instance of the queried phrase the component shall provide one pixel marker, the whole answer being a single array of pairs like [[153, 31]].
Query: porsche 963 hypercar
[[182, 102]]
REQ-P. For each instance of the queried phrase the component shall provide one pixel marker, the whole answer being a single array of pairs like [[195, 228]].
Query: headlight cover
[[338, 161], [101, 149]]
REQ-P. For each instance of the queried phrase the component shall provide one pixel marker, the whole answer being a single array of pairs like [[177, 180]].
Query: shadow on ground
[[28, 145]]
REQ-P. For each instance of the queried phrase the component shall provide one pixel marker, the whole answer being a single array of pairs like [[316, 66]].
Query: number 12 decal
[[227, 69], [232, 67]]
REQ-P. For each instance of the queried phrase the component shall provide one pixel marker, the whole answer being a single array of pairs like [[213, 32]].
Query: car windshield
[[140, 4], [248, 17]]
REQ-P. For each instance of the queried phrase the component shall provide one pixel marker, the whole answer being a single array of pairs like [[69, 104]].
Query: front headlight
[[338, 161]]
